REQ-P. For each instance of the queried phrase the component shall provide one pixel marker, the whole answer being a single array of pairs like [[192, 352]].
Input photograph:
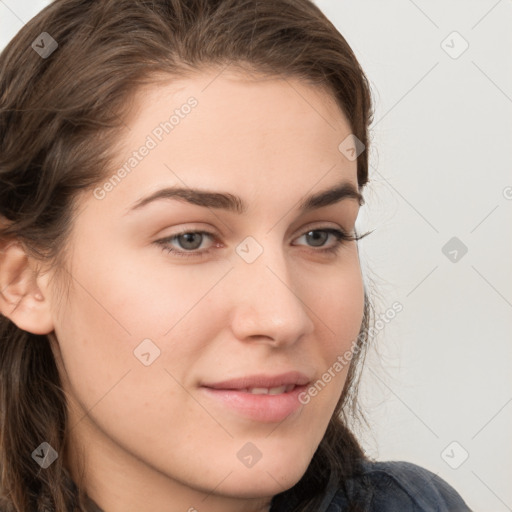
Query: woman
[[183, 312]]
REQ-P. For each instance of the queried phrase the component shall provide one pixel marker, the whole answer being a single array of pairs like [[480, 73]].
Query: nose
[[267, 305]]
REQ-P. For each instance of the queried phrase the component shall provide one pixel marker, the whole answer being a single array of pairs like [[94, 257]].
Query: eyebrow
[[230, 202]]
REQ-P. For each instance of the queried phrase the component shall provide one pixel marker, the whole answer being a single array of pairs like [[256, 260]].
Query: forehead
[[250, 135], [233, 102]]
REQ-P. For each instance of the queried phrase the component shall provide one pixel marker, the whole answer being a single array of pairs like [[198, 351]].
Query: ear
[[22, 291]]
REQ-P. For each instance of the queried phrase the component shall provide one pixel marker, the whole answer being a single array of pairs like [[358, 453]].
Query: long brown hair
[[61, 114]]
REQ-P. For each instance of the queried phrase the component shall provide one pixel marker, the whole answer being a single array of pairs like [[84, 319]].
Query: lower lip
[[262, 408]]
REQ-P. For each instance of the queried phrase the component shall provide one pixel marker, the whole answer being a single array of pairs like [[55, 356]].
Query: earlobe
[[21, 298]]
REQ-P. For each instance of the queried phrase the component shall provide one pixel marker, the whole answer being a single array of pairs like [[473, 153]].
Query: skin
[[151, 439]]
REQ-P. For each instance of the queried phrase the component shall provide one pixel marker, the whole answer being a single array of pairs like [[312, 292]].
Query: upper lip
[[261, 381]]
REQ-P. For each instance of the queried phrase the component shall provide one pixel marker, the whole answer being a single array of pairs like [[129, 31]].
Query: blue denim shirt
[[392, 486]]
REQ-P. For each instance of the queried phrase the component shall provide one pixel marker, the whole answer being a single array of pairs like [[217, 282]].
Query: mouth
[[278, 390], [260, 398]]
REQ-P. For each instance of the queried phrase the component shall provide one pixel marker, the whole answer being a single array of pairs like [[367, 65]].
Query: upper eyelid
[[214, 233]]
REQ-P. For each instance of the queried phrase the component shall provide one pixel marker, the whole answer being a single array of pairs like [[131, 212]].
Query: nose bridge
[[268, 304]]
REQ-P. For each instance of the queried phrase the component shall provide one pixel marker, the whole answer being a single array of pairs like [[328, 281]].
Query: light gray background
[[440, 168]]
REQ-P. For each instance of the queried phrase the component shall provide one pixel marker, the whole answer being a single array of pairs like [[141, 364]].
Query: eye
[[318, 237], [187, 243]]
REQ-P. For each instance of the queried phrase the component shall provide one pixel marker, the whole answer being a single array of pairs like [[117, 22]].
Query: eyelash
[[341, 238]]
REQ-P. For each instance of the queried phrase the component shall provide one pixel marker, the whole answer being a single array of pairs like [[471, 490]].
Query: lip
[[263, 408], [261, 381]]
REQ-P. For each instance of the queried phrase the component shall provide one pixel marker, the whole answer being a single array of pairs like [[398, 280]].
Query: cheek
[[339, 305], [120, 310], [340, 309], [129, 298]]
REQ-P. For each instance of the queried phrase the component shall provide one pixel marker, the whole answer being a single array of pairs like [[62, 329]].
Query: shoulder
[[388, 486]]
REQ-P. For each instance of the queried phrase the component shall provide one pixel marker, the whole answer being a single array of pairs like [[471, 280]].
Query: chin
[[265, 479]]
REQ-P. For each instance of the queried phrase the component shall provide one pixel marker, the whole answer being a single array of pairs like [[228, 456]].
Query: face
[[196, 323]]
